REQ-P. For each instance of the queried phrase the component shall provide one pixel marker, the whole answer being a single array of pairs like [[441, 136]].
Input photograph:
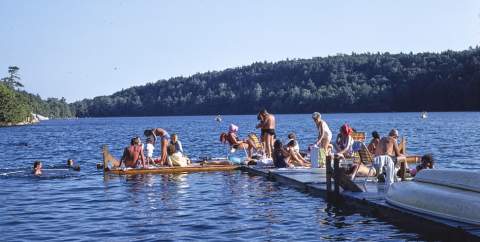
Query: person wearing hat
[[235, 142]]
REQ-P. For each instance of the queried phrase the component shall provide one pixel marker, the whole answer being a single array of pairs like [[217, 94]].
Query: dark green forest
[[381, 82], [17, 105]]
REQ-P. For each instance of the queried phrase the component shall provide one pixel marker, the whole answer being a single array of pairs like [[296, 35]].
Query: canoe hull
[[437, 200]]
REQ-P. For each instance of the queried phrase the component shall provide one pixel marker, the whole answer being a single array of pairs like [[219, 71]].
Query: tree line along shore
[[370, 82], [18, 107], [447, 81]]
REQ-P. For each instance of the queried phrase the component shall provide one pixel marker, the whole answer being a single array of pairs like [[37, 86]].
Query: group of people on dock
[[171, 150], [344, 146], [269, 146]]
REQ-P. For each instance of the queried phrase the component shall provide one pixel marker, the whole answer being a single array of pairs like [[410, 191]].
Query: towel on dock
[[385, 162]]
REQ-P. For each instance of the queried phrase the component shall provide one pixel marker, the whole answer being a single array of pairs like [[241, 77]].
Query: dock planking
[[369, 202]]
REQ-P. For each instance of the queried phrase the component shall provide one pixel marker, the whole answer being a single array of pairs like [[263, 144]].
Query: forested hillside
[[16, 105], [379, 82]]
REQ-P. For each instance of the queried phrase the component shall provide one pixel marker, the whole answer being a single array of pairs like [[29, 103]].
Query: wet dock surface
[[371, 201]]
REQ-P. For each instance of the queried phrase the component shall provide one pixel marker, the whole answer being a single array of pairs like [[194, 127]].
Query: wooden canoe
[[207, 166]]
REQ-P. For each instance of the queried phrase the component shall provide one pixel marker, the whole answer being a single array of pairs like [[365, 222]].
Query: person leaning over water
[[132, 154], [324, 132], [164, 139], [267, 125]]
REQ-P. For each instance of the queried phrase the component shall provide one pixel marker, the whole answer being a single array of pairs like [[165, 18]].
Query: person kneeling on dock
[[132, 154]]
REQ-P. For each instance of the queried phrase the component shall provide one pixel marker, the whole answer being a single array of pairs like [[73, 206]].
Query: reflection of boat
[[218, 118], [110, 165], [448, 194], [424, 115]]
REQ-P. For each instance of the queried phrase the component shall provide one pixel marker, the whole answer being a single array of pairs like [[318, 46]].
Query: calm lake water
[[219, 206]]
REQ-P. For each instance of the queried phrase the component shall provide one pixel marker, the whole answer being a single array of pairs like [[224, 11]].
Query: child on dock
[[150, 145]]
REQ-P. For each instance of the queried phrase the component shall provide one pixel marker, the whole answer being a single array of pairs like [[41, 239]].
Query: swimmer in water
[[37, 168], [71, 165]]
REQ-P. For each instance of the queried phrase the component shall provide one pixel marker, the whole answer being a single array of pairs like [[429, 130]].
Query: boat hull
[[437, 200]]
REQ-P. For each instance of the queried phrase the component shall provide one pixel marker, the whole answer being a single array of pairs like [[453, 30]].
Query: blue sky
[[84, 48]]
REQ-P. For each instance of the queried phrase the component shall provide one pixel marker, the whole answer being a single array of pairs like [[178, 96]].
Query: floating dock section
[[369, 201]]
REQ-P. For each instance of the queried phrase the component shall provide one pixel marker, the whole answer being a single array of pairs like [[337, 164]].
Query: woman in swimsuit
[[324, 133]]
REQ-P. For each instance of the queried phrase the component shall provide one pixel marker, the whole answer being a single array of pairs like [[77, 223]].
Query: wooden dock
[[370, 202]]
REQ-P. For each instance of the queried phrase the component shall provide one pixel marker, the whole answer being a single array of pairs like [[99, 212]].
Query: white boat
[[424, 115], [218, 118], [447, 194]]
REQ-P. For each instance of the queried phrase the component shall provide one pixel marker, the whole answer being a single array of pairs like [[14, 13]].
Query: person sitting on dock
[[388, 146], [178, 147], [372, 146], [295, 157], [280, 155], [285, 156], [426, 163], [235, 142], [37, 168], [292, 137], [132, 154], [344, 142], [175, 142], [150, 145], [164, 139], [175, 157]]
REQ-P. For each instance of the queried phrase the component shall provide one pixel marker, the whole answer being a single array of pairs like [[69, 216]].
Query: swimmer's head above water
[[37, 168]]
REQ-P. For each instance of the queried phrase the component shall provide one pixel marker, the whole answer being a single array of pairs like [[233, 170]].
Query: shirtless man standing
[[164, 140], [267, 125]]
